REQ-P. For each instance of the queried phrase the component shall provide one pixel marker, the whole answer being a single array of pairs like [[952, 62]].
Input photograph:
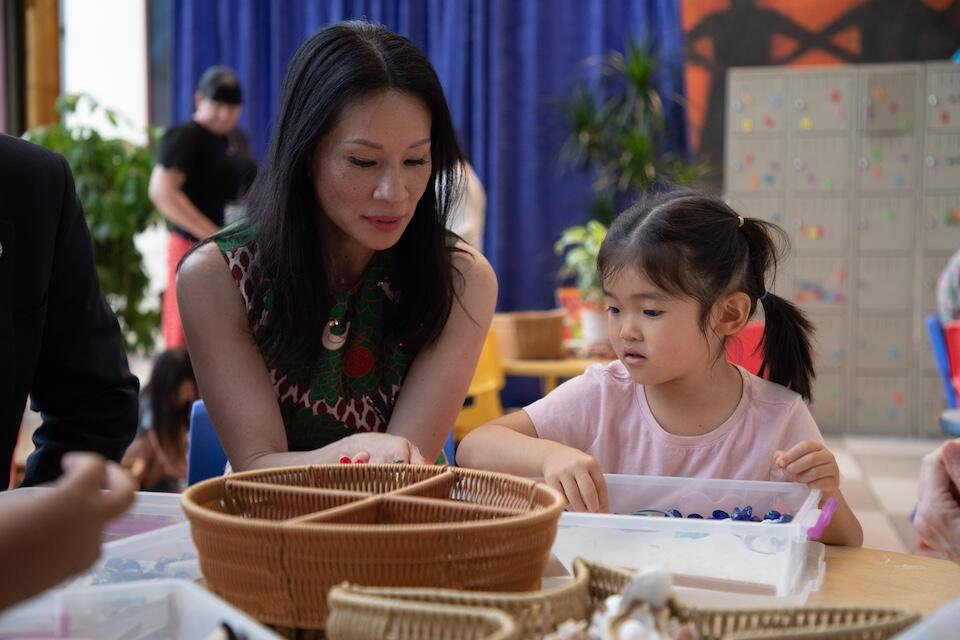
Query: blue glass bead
[[674, 513], [785, 518], [742, 515], [114, 564], [131, 565], [719, 514], [773, 514], [695, 516]]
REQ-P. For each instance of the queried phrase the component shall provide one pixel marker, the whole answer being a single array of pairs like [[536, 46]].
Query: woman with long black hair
[[341, 319]]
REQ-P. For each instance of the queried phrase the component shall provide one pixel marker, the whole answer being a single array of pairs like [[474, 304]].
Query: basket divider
[[435, 487]]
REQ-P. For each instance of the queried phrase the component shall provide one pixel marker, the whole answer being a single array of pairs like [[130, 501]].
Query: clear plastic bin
[[160, 554], [749, 558], [154, 610], [149, 511]]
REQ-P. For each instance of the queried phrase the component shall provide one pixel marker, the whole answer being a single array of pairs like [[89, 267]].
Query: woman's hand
[[577, 476], [937, 519], [379, 448], [812, 464]]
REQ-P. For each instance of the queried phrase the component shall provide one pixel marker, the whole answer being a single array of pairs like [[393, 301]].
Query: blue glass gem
[[114, 564], [742, 515], [674, 513], [773, 514], [695, 516], [785, 518], [131, 565], [719, 514]]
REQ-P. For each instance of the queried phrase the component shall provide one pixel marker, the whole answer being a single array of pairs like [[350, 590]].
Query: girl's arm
[[811, 463], [436, 385], [234, 381], [510, 444]]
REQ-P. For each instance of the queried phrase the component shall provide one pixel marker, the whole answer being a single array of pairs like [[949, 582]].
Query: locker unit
[[860, 165]]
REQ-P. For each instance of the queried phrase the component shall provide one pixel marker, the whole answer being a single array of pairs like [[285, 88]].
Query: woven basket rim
[[194, 509]]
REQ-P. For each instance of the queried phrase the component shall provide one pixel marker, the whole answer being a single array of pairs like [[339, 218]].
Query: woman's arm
[[166, 194], [235, 383], [433, 392]]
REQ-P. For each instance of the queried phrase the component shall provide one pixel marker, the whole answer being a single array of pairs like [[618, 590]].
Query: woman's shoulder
[[473, 267]]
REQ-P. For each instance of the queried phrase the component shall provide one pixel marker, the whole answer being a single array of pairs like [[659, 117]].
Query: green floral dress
[[353, 385]]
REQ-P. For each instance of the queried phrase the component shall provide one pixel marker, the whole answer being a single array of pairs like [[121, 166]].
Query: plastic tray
[[153, 610], [748, 558]]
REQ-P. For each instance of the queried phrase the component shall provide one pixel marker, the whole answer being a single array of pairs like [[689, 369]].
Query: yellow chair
[[483, 396]]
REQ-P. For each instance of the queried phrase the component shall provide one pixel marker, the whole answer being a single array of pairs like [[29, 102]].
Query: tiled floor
[[879, 480]]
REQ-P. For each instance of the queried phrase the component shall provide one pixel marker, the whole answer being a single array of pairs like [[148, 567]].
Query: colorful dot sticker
[[768, 179], [747, 99], [748, 159], [746, 125], [811, 179], [905, 123], [839, 112], [944, 117], [871, 114], [894, 107], [768, 122], [877, 154], [888, 215], [879, 94], [893, 354], [828, 183], [898, 398], [877, 171], [776, 102], [898, 182], [774, 165], [904, 157], [754, 180], [806, 123], [951, 215], [835, 95]]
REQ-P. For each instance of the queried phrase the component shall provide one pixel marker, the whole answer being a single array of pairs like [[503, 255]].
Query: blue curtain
[[505, 66]]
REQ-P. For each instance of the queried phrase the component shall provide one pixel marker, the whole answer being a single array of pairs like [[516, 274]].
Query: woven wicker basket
[[539, 613], [273, 542], [360, 617], [530, 334]]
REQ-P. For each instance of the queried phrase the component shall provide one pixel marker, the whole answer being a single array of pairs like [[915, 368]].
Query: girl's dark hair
[[340, 64], [171, 369], [689, 244]]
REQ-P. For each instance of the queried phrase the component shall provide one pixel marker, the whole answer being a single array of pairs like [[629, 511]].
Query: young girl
[[680, 275]]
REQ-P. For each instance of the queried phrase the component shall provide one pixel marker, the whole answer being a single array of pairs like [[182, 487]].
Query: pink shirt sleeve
[[570, 413]]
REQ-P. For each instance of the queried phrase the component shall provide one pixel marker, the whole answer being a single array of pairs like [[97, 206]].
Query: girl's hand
[[578, 477], [812, 464], [379, 448]]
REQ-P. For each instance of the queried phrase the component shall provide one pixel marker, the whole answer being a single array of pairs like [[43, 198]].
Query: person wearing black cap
[[202, 166]]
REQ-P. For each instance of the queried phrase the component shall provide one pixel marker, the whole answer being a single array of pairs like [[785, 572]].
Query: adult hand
[[48, 537], [578, 477], [379, 448], [812, 464], [937, 519]]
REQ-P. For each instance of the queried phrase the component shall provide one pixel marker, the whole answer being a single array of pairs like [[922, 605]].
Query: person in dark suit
[[59, 341]]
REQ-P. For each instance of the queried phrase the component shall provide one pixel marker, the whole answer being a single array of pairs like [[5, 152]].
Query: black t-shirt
[[218, 168]]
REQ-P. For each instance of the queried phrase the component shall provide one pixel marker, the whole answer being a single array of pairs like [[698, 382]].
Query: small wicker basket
[[273, 542], [539, 613], [530, 334]]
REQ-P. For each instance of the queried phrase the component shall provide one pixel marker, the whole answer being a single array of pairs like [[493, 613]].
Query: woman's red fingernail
[[344, 459]]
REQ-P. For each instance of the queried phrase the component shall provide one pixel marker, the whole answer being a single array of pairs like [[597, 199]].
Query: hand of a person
[[50, 536], [85, 509], [578, 477], [937, 519], [810, 463], [379, 448]]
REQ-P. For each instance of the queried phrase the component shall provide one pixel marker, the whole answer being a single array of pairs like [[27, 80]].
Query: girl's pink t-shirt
[[605, 413]]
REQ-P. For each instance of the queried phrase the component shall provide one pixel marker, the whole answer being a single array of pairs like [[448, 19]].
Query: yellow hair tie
[[740, 218]]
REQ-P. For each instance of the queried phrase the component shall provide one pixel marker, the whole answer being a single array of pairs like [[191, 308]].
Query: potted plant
[[579, 246], [111, 179], [618, 131]]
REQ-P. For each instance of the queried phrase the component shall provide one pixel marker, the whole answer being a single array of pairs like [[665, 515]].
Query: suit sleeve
[[82, 387]]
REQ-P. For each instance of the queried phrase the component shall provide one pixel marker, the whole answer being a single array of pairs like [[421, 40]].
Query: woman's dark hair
[[170, 370], [689, 244], [337, 66]]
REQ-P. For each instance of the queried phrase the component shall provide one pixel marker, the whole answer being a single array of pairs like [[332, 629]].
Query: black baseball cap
[[220, 84]]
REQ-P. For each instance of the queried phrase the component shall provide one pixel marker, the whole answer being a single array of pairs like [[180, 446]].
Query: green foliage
[[111, 178], [580, 246], [618, 130]]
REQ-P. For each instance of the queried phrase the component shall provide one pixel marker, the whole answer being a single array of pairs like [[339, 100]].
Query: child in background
[[680, 275], [158, 455]]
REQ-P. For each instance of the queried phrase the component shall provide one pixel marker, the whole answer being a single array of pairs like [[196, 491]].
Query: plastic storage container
[[748, 558], [153, 610], [164, 553]]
